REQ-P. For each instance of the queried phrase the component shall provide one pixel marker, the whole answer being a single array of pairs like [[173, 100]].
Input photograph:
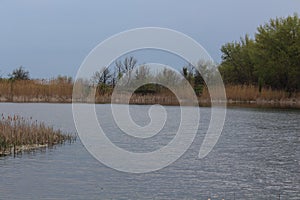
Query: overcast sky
[[52, 37]]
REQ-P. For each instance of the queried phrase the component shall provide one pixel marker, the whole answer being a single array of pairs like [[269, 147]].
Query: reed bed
[[251, 93], [36, 91], [18, 134], [60, 91]]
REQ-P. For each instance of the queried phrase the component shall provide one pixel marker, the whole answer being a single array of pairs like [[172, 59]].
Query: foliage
[[272, 58], [237, 66]]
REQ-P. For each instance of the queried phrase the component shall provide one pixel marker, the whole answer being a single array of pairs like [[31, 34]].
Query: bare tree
[[119, 69], [126, 66], [142, 73], [102, 77], [168, 77], [129, 64]]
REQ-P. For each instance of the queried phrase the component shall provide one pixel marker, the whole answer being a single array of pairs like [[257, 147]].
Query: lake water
[[256, 157]]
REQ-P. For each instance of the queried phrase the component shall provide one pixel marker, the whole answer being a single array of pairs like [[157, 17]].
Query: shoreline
[[259, 103], [55, 91], [14, 150], [22, 148]]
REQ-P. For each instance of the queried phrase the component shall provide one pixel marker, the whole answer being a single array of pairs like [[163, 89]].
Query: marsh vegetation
[[19, 134]]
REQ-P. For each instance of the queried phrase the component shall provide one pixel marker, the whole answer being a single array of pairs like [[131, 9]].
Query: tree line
[[21, 74], [107, 78], [270, 59]]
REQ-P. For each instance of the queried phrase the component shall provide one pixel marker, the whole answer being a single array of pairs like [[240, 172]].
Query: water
[[256, 157]]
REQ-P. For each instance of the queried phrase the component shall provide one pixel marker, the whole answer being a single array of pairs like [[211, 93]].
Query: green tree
[[277, 53], [237, 66], [271, 59]]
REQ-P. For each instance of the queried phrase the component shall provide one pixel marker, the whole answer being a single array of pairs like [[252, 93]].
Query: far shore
[[61, 91], [167, 100]]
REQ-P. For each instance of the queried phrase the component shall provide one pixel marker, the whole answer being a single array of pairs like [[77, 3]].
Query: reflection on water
[[256, 157]]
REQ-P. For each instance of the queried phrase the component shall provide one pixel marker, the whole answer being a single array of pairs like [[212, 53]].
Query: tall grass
[[36, 90], [18, 133], [60, 91], [251, 93]]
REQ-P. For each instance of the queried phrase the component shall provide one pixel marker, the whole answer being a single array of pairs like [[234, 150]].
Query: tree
[[237, 66], [272, 58], [102, 77], [277, 53], [142, 76], [188, 73], [119, 69], [126, 66], [143, 73], [167, 77], [19, 74]]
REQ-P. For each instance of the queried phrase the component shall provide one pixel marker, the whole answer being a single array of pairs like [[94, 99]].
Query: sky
[[52, 37]]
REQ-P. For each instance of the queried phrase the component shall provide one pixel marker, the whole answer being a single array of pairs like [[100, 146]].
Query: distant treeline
[[20, 88], [266, 67], [19, 82], [270, 59], [107, 78]]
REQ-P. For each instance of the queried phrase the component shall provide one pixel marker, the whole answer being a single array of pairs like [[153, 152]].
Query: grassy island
[[18, 134]]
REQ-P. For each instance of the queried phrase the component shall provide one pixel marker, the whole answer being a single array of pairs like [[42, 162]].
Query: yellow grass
[[60, 90], [35, 90], [17, 132], [251, 93]]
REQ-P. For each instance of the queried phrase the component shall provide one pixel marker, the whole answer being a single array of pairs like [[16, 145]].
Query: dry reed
[[251, 93], [18, 133], [35, 91], [60, 91]]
